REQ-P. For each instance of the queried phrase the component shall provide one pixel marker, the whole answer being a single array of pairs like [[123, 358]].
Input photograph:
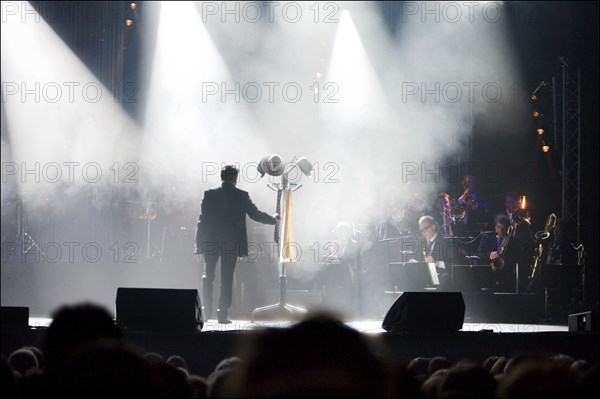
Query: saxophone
[[498, 263], [541, 236]]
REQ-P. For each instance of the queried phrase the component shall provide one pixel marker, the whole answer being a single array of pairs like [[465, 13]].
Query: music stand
[[282, 310], [413, 276], [456, 251], [468, 278]]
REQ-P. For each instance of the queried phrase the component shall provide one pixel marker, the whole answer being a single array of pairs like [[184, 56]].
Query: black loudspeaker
[[583, 322], [14, 318], [426, 312], [158, 309]]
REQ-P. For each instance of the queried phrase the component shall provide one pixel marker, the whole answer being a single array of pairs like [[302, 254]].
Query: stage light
[[540, 131], [545, 148], [533, 95], [362, 98], [128, 22], [318, 75], [205, 123], [523, 202], [47, 125], [536, 114], [133, 6]]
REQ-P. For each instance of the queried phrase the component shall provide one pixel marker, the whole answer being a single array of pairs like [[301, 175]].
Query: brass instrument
[[469, 200], [550, 224], [540, 236], [457, 212], [521, 214], [498, 263]]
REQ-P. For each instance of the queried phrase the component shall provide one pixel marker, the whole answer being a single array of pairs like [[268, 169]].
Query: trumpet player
[[449, 216], [443, 216], [468, 202], [469, 195]]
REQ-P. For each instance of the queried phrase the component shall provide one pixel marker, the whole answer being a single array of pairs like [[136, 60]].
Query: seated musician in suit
[[435, 249], [500, 251]]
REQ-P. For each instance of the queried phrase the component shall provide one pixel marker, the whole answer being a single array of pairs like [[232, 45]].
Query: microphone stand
[[359, 271], [281, 310]]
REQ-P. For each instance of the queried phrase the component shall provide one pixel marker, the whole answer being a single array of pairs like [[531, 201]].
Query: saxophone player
[[500, 251]]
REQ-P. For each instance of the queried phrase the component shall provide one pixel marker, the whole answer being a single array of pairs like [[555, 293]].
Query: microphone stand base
[[279, 311]]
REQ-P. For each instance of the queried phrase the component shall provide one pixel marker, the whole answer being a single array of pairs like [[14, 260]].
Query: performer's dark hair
[[503, 220], [442, 195], [511, 194], [229, 173], [429, 220]]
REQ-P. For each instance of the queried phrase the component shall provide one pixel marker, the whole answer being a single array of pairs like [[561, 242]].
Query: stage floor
[[365, 326]]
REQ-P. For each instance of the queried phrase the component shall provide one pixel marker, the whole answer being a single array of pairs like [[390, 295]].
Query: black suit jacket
[[441, 249], [222, 221], [488, 244]]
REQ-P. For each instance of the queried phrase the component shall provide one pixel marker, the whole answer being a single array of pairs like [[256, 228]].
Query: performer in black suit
[[222, 234], [489, 248], [436, 249], [522, 231]]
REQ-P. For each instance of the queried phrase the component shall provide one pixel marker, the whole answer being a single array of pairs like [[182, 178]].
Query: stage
[[204, 349], [399, 120]]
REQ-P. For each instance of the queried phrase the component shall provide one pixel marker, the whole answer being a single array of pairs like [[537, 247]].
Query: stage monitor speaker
[[158, 309], [426, 312], [583, 322], [15, 318]]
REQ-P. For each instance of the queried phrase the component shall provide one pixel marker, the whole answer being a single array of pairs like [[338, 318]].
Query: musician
[[561, 251], [393, 226], [403, 220], [526, 239], [442, 216], [468, 200], [223, 221], [490, 250], [469, 195], [436, 249], [511, 202]]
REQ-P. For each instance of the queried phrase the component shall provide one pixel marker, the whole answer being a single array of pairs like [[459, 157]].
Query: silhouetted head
[[320, 356], [229, 173], [73, 326]]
